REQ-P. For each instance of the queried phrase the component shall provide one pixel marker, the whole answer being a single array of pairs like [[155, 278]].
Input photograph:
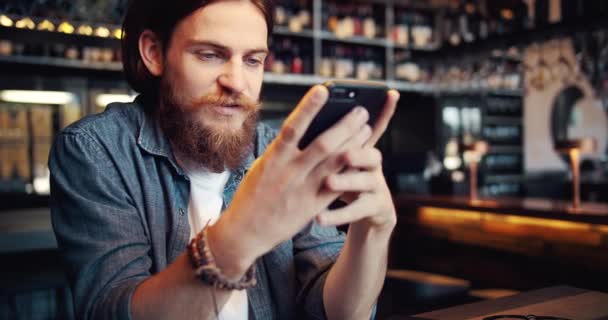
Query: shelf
[[524, 37], [515, 120], [63, 63], [284, 31], [287, 79], [492, 177], [302, 79], [430, 48], [38, 36], [483, 91], [518, 93], [293, 79], [309, 80], [378, 42], [413, 87], [505, 149], [507, 58]]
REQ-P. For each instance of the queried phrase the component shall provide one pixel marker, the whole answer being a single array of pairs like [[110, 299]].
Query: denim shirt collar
[[152, 140]]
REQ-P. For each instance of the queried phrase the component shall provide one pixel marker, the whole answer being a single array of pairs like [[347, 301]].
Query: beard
[[201, 145]]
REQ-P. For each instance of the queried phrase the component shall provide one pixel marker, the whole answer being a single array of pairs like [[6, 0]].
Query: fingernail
[[361, 113], [318, 93]]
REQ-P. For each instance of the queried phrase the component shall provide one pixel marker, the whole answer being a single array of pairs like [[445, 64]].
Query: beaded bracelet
[[208, 272]]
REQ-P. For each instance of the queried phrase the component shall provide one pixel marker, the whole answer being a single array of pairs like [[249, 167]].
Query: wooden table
[[561, 301]]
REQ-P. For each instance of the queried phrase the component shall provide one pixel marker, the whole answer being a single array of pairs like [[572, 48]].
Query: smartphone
[[344, 96]]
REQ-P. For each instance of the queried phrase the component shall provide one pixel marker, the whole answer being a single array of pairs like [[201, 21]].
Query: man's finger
[[352, 181], [300, 118], [388, 110], [355, 211], [336, 163], [332, 139], [365, 158]]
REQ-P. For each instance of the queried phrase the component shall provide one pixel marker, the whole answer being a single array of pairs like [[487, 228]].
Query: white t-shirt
[[206, 190]]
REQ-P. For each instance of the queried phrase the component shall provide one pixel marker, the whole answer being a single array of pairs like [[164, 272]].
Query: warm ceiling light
[[6, 21], [102, 32], [85, 30], [118, 33], [37, 97], [506, 14], [46, 25], [66, 27], [25, 23]]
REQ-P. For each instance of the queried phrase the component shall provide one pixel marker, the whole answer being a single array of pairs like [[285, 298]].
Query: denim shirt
[[119, 211]]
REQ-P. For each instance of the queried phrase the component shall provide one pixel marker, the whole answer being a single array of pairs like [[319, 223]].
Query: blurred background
[[522, 76]]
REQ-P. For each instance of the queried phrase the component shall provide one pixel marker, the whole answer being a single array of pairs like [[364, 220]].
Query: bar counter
[[589, 212], [532, 227]]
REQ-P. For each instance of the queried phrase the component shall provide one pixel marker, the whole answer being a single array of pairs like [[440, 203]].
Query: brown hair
[[161, 17]]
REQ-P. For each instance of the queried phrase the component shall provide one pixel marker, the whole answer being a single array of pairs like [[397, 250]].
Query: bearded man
[[180, 205]]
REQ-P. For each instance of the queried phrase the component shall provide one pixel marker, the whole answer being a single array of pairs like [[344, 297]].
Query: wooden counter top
[[560, 301], [593, 213]]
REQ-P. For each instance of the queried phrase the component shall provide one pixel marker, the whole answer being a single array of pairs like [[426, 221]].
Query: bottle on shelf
[[451, 27], [297, 64], [401, 29], [421, 31], [347, 20]]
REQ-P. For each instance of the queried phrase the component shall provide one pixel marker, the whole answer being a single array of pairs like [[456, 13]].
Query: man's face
[[211, 81]]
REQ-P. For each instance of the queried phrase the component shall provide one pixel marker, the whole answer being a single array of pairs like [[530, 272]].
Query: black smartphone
[[345, 95]]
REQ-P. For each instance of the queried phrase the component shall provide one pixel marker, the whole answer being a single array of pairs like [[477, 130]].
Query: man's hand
[[363, 186], [371, 205], [285, 188]]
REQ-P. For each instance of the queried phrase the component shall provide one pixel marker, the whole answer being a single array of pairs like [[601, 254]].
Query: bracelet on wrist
[[207, 270]]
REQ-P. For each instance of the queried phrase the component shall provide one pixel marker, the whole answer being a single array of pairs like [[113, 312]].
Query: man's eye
[[208, 55], [254, 61]]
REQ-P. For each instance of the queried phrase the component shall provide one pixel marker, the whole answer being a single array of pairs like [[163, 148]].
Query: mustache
[[224, 100]]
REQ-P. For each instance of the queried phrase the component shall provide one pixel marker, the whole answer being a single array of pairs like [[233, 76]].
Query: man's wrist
[[365, 230], [229, 250]]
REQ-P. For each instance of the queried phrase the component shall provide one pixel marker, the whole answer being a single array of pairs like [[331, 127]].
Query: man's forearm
[[354, 282], [175, 293]]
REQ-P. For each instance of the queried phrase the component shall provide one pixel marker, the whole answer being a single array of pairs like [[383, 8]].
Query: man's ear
[[151, 52]]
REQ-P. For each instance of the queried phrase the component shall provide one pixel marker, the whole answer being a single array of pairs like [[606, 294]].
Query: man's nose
[[232, 77]]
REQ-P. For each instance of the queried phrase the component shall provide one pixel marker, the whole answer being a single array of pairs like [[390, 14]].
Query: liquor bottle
[[280, 16], [451, 27], [400, 31], [422, 31], [377, 63], [304, 14], [370, 29], [327, 61], [363, 64], [297, 64], [6, 48], [332, 17], [344, 66], [483, 30]]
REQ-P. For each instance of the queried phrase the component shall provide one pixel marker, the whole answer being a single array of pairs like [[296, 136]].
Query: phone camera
[[352, 94]]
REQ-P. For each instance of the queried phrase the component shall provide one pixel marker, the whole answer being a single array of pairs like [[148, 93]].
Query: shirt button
[[182, 211]]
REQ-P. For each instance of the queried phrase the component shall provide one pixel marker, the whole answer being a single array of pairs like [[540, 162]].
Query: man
[[132, 186]]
